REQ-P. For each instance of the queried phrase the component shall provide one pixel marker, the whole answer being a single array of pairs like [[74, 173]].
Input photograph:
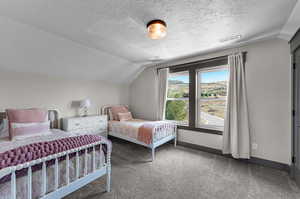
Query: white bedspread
[[128, 128], [6, 144]]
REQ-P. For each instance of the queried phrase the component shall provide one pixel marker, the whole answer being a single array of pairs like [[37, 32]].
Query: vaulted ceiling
[[107, 39]]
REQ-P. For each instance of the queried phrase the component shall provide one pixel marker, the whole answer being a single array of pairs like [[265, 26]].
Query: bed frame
[[154, 144], [69, 187]]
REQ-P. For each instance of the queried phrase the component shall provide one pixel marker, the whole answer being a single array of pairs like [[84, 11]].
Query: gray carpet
[[184, 173]]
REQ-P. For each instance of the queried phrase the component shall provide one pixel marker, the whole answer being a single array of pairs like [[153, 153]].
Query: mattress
[[6, 145]]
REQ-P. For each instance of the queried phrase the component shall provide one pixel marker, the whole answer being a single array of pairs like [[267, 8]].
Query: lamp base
[[85, 113]]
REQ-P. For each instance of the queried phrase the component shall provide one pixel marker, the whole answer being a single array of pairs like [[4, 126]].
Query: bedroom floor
[[180, 173]]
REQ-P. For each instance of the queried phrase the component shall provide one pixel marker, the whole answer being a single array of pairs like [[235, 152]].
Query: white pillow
[[125, 116], [4, 129], [23, 130]]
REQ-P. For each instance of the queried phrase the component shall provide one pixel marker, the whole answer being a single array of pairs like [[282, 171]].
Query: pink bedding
[[146, 130]]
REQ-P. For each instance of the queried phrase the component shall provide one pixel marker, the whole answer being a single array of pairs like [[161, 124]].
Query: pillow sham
[[115, 110], [125, 116], [23, 130], [32, 115]]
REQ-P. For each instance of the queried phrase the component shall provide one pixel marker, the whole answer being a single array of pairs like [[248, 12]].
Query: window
[[197, 95], [177, 105], [211, 97]]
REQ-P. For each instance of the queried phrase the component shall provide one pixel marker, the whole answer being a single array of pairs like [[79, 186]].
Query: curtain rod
[[201, 61]]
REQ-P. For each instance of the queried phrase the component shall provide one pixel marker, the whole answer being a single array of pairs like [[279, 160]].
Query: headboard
[[105, 109], [52, 116]]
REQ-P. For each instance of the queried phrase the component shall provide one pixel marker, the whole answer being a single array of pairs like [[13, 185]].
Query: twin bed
[[57, 163], [150, 134], [51, 165]]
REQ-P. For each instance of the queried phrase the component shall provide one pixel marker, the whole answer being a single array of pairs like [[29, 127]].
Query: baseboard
[[253, 160], [270, 163], [199, 147]]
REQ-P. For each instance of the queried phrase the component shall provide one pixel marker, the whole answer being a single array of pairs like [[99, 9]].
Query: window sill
[[201, 130]]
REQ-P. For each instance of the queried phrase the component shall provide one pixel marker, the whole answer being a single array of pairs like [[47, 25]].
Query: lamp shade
[[85, 103]]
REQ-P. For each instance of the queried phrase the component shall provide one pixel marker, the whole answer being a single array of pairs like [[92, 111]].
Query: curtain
[[236, 136], [162, 92]]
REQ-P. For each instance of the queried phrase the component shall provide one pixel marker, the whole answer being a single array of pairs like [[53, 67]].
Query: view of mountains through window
[[177, 107], [211, 97]]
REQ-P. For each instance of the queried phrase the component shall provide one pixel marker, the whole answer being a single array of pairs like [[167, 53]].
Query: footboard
[[164, 130], [161, 134], [68, 187]]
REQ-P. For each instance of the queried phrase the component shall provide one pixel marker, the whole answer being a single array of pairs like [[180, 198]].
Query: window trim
[[201, 130]]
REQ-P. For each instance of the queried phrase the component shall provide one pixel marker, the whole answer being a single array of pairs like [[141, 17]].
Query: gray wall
[[268, 77], [25, 90]]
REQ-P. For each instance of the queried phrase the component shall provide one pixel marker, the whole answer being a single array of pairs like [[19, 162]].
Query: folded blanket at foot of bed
[[39, 150], [148, 129]]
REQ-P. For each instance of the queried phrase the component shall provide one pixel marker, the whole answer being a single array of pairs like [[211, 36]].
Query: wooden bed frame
[[154, 144], [69, 187]]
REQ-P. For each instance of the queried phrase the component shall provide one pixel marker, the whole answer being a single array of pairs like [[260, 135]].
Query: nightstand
[[89, 124]]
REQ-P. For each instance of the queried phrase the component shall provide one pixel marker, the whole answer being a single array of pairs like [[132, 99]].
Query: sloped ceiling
[[292, 24], [107, 39]]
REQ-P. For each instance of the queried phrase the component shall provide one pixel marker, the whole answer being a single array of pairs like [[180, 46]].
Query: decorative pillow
[[25, 116], [4, 129], [115, 110], [125, 116], [23, 130]]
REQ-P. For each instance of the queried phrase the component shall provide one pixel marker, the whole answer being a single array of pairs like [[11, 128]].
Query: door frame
[[295, 45]]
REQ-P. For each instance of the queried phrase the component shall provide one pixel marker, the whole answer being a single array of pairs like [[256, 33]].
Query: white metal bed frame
[[154, 144], [69, 187]]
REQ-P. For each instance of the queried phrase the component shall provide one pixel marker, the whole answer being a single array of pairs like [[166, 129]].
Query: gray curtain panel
[[162, 92], [236, 136]]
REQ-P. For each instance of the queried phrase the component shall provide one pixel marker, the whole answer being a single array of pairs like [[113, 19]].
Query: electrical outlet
[[254, 146]]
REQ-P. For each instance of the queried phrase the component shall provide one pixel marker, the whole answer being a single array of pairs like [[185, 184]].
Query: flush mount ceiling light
[[157, 29]]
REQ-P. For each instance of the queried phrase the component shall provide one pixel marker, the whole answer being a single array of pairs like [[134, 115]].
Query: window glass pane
[[178, 110], [212, 94], [177, 105], [178, 85]]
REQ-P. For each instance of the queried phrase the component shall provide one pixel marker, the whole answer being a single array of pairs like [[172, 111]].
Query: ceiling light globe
[[157, 29]]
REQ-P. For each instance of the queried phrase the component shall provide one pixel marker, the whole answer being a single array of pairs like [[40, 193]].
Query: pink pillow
[[115, 110], [25, 116], [125, 116]]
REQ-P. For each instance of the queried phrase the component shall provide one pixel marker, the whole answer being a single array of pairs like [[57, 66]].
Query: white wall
[[268, 77], [25, 90]]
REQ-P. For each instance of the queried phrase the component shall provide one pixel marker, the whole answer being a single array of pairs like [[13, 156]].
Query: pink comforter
[[145, 133]]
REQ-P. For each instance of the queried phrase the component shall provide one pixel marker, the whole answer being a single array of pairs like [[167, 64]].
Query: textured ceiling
[[114, 30]]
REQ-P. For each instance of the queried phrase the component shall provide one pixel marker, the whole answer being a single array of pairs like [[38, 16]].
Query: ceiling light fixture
[[157, 29]]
